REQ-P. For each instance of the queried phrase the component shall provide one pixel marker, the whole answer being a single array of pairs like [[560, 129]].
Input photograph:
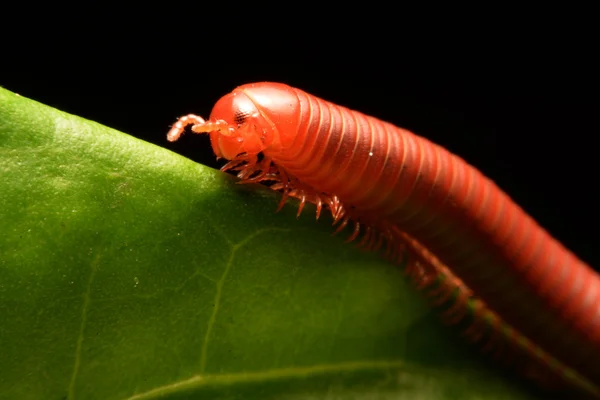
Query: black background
[[521, 106]]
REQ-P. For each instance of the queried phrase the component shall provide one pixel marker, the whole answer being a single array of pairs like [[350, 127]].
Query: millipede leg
[[302, 203], [355, 233]]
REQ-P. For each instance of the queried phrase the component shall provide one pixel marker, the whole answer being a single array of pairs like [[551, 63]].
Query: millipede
[[470, 247]]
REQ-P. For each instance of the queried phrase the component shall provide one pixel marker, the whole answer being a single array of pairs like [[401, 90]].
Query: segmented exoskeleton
[[469, 244]]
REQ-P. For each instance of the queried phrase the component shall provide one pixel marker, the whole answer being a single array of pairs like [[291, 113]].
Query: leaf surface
[[129, 272]]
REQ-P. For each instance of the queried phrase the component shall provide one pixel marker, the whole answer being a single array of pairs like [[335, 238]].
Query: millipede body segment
[[468, 242]]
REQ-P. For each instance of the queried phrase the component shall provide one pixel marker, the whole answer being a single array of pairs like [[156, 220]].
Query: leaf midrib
[[198, 381]]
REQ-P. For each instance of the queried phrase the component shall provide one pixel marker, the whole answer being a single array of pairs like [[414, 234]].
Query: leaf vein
[[219, 291], [80, 337], [199, 381]]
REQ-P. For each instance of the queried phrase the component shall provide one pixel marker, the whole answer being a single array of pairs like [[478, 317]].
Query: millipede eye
[[240, 116]]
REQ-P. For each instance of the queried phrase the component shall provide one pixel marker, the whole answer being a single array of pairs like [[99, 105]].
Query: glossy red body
[[386, 173]]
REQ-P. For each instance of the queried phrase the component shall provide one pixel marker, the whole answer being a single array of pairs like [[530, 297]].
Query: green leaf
[[129, 272]]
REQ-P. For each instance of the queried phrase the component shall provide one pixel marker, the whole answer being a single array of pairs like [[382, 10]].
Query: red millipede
[[469, 245]]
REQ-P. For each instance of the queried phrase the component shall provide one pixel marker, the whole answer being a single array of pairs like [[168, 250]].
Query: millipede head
[[254, 118]]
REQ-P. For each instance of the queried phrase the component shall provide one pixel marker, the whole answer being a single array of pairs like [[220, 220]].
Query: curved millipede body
[[470, 245]]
